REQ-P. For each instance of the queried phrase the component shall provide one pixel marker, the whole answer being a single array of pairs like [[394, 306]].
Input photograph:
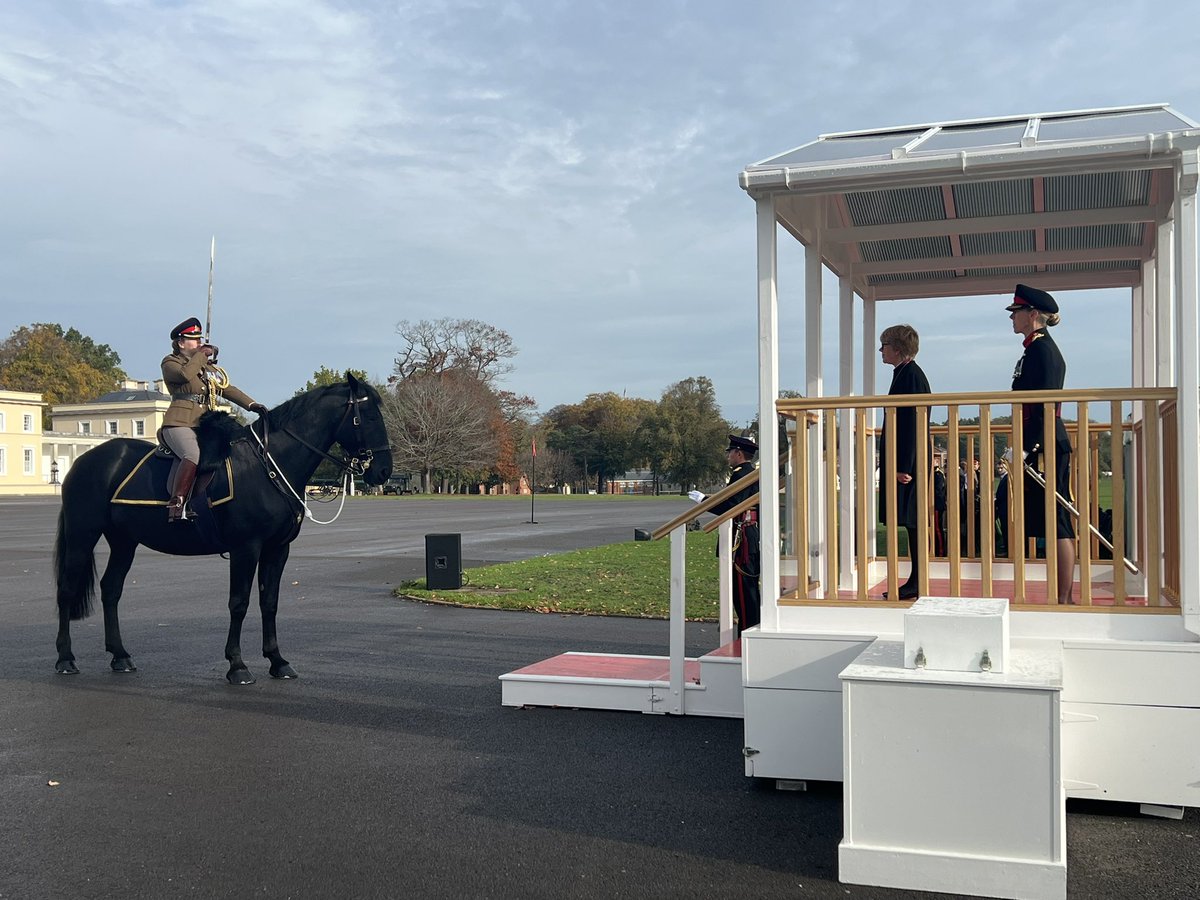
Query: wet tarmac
[[390, 769]]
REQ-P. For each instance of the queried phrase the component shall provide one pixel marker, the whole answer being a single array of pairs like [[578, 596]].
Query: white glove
[[696, 496]]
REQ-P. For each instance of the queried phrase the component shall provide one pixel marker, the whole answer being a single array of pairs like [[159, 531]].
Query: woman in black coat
[[898, 346], [1042, 368]]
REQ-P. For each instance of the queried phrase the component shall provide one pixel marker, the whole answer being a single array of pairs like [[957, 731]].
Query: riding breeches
[[182, 442]]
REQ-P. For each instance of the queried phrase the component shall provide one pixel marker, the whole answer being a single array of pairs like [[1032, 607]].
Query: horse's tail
[[75, 577]]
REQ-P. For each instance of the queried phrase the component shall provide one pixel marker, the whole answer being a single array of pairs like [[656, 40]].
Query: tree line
[[63, 365], [450, 420]]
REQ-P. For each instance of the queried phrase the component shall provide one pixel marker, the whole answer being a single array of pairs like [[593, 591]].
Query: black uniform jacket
[[906, 379], [741, 470], [1041, 368]]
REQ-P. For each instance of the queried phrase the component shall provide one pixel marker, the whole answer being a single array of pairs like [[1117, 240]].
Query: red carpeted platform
[[609, 666]]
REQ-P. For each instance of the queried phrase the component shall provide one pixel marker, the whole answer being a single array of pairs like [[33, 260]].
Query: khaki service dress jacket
[[187, 383]]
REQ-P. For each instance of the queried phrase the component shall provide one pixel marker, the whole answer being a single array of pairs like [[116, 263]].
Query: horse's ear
[[351, 380]]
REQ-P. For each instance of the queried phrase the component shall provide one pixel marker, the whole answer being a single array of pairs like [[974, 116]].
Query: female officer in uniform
[[1042, 368], [898, 345], [194, 385]]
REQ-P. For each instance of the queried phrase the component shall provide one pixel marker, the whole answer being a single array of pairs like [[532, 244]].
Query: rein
[[351, 465]]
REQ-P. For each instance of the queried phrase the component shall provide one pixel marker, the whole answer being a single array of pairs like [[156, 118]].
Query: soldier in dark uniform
[[1042, 368], [747, 602], [898, 345], [195, 384]]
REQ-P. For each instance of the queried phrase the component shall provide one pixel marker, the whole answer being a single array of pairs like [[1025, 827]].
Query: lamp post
[[54, 474]]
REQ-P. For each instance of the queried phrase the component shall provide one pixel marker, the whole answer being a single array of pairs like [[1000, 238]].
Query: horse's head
[[362, 432]]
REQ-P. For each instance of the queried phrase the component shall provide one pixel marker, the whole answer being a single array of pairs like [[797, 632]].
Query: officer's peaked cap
[[188, 328], [747, 446], [1026, 297]]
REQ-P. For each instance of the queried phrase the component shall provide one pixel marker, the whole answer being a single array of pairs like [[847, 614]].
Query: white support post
[[725, 581], [678, 608], [868, 386], [1164, 341], [1137, 315], [846, 558], [1147, 322], [768, 392], [814, 387], [1187, 328]]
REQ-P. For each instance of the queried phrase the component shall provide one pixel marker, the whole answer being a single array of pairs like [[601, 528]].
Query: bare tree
[[467, 345], [441, 423]]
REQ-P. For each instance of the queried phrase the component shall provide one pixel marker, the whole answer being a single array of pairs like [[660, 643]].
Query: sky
[[566, 171]]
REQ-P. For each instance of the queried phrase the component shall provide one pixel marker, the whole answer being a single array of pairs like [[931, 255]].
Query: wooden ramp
[[712, 683]]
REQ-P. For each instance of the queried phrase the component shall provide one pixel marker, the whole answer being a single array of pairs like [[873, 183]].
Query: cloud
[[564, 170]]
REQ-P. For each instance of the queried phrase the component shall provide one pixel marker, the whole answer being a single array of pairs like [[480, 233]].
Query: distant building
[[640, 481], [135, 410], [33, 461], [22, 467]]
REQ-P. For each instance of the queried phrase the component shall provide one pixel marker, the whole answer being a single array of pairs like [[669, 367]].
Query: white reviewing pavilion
[[960, 725], [957, 780]]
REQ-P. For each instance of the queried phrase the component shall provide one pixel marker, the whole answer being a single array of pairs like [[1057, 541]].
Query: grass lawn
[[627, 579]]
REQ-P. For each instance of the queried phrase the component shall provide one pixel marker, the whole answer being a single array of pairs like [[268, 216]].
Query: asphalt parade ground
[[390, 769]]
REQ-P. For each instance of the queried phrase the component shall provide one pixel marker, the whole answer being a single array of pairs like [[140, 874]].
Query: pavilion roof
[[1063, 200]]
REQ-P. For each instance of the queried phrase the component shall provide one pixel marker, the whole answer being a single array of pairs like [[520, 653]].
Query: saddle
[[146, 485]]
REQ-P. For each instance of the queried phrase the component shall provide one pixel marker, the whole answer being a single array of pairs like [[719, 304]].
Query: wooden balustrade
[[1144, 559]]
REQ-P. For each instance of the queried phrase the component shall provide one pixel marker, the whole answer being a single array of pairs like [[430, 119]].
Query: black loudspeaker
[[443, 562]]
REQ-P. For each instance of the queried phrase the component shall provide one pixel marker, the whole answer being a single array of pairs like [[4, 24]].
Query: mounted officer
[[196, 384]]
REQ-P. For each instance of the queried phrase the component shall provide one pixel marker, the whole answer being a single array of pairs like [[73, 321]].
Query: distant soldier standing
[[747, 601]]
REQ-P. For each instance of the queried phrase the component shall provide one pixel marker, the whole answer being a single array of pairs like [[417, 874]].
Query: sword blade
[[212, 258]]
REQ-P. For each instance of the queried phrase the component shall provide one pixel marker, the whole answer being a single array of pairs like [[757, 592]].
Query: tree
[[458, 363], [659, 441], [326, 376], [442, 423], [63, 366], [600, 433], [476, 348], [699, 432]]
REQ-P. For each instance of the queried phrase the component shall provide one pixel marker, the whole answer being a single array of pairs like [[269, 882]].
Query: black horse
[[256, 526]]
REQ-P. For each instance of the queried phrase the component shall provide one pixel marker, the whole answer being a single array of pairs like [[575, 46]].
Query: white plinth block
[[953, 780], [952, 634]]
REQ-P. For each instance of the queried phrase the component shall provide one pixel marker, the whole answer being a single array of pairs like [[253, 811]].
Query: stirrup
[[177, 511]]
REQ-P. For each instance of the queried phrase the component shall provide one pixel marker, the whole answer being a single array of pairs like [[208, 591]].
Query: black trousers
[[747, 600]]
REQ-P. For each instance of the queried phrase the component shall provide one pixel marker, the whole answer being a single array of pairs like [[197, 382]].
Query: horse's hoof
[[66, 667], [125, 664], [240, 676], [284, 671]]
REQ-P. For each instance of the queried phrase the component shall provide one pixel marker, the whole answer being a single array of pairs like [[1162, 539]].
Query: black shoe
[[906, 592]]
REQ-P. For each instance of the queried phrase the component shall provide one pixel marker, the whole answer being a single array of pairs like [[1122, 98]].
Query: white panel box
[[957, 634]]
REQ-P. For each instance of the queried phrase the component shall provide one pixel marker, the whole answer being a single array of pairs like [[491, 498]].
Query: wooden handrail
[[712, 500], [794, 405], [705, 505], [749, 503]]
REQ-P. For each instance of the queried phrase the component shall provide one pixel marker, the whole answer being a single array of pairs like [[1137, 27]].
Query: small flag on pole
[[534, 446]]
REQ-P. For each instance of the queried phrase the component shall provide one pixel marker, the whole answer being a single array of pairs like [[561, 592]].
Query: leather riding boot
[[176, 511]]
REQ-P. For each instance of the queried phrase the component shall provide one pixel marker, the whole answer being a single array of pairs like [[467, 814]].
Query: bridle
[[359, 461], [351, 466]]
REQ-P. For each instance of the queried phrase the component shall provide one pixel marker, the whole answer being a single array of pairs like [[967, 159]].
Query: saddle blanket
[[146, 485]]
